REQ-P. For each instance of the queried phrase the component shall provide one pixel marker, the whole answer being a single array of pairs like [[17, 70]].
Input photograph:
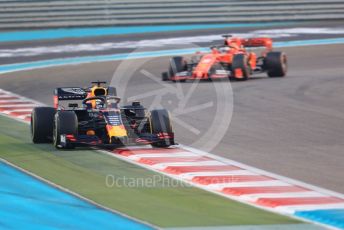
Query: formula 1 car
[[230, 60], [92, 116]]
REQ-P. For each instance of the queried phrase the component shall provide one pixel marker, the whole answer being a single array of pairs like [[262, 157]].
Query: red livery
[[233, 59]]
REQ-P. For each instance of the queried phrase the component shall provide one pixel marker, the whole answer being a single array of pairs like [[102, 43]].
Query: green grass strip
[[85, 171]]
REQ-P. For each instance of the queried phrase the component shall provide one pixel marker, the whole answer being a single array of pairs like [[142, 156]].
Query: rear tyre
[[41, 125], [177, 64], [276, 64], [164, 76], [161, 123], [240, 64], [65, 122]]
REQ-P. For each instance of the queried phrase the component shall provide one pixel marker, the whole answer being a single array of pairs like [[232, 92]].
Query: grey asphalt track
[[293, 126]]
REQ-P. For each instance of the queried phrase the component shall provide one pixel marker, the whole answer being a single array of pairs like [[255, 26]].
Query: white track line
[[269, 183], [189, 176], [7, 96], [291, 209], [282, 195], [266, 173], [153, 155], [162, 166]]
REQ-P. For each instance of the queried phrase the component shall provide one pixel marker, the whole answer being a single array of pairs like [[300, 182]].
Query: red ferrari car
[[234, 59]]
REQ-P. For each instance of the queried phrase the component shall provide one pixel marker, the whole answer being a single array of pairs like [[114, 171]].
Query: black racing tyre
[[276, 64], [240, 62], [177, 64], [160, 123], [65, 122], [41, 125], [165, 76], [111, 91]]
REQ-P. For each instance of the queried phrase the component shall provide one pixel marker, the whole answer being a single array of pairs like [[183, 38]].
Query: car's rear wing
[[69, 98], [257, 42]]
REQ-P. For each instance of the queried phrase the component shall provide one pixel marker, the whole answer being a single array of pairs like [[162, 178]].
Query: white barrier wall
[[28, 14]]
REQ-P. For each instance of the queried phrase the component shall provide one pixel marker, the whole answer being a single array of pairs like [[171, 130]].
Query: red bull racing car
[[230, 60], [92, 116]]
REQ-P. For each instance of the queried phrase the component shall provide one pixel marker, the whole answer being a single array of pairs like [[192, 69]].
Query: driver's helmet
[[234, 42], [96, 91]]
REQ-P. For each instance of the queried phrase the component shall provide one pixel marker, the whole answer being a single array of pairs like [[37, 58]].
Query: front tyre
[[177, 64], [240, 67], [161, 123], [165, 76], [276, 64], [65, 123], [41, 125]]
